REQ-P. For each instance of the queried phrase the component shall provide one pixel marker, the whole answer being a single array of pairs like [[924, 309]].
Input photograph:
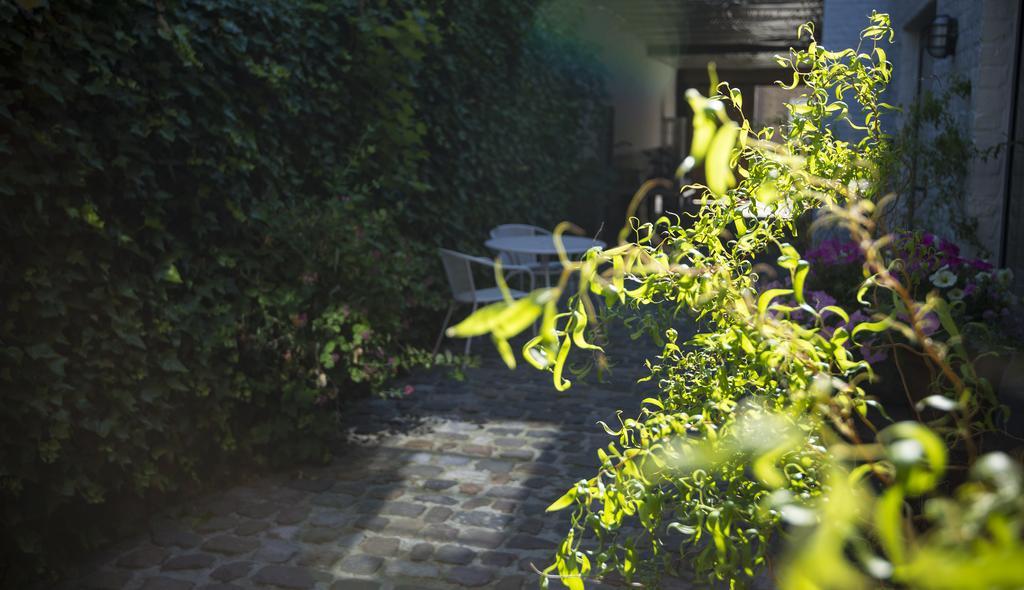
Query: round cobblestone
[[454, 554], [421, 552], [470, 577]]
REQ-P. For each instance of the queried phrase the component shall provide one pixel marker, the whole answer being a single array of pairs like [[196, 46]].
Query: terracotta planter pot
[[1004, 372], [902, 367]]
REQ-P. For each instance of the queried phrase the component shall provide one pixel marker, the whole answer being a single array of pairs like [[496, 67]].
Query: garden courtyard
[[324, 295]]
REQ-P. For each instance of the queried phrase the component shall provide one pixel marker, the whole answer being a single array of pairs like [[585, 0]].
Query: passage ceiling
[[733, 33]]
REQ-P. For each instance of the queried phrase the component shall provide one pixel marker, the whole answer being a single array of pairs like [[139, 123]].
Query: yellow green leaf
[[717, 169], [564, 501]]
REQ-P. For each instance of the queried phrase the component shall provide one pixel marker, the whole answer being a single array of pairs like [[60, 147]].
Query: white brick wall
[[843, 20], [991, 102], [984, 56]]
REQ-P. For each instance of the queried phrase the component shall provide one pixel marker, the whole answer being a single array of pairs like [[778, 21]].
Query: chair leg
[[444, 326], [470, 339]]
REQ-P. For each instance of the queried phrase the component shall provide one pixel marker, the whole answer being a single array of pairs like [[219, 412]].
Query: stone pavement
[[443, 489]]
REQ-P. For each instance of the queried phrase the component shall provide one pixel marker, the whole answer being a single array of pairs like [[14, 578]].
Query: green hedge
[[219, 216]]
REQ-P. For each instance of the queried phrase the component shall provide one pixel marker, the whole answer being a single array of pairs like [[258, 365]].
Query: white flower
[[1004, 276], [858, 186], [943, 278], [955, 294]]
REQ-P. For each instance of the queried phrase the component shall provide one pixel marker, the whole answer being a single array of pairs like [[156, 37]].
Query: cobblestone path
[[443, 489]]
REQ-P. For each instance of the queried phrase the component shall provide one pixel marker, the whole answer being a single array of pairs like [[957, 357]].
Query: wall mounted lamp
[[942, 34]]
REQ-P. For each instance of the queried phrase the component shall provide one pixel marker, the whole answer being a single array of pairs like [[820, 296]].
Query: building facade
[[980, 79]]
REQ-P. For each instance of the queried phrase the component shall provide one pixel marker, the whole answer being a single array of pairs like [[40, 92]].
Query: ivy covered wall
[[219, 219]]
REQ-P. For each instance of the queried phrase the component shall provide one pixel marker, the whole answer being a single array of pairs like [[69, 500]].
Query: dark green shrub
[[219, 215]]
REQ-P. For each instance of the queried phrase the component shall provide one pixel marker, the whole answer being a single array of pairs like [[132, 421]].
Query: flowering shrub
[[981, 291], [836, 268], [980, 294]]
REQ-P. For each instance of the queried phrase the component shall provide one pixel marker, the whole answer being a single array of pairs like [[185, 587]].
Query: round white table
[[543, 247]]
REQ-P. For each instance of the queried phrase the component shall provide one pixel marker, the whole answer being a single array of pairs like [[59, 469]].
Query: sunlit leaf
[[566, 500], [918, 453], [579, 324], [480, 322], [799, 278], [765, 299], [838, 311], [503, 319], [516, 317], [872, 327], [505, 349], [717, 169], [938, 402], [559, 366], [704, 127], [888, 521]]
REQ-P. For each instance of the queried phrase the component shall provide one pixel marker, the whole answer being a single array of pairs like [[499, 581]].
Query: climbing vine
[[763, 426]]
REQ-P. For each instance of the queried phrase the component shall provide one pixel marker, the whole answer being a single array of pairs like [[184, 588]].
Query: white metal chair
[[531, 261], [459, 268]]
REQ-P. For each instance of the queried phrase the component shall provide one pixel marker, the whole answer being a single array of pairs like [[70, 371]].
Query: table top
[[543, 245]]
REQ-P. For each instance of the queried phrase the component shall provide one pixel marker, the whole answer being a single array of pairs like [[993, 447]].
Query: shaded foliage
[[219, 216]]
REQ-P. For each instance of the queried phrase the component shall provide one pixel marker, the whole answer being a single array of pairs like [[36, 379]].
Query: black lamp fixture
[[942, 34]]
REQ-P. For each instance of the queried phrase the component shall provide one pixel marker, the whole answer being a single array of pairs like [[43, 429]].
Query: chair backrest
[[460, 274], [518, 229], [509, 230]]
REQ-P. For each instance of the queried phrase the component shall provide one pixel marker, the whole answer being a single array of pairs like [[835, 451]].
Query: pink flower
[[834, 251], [930, 324], [408, 390], [949, 248], [820, 299], [872, 354]]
